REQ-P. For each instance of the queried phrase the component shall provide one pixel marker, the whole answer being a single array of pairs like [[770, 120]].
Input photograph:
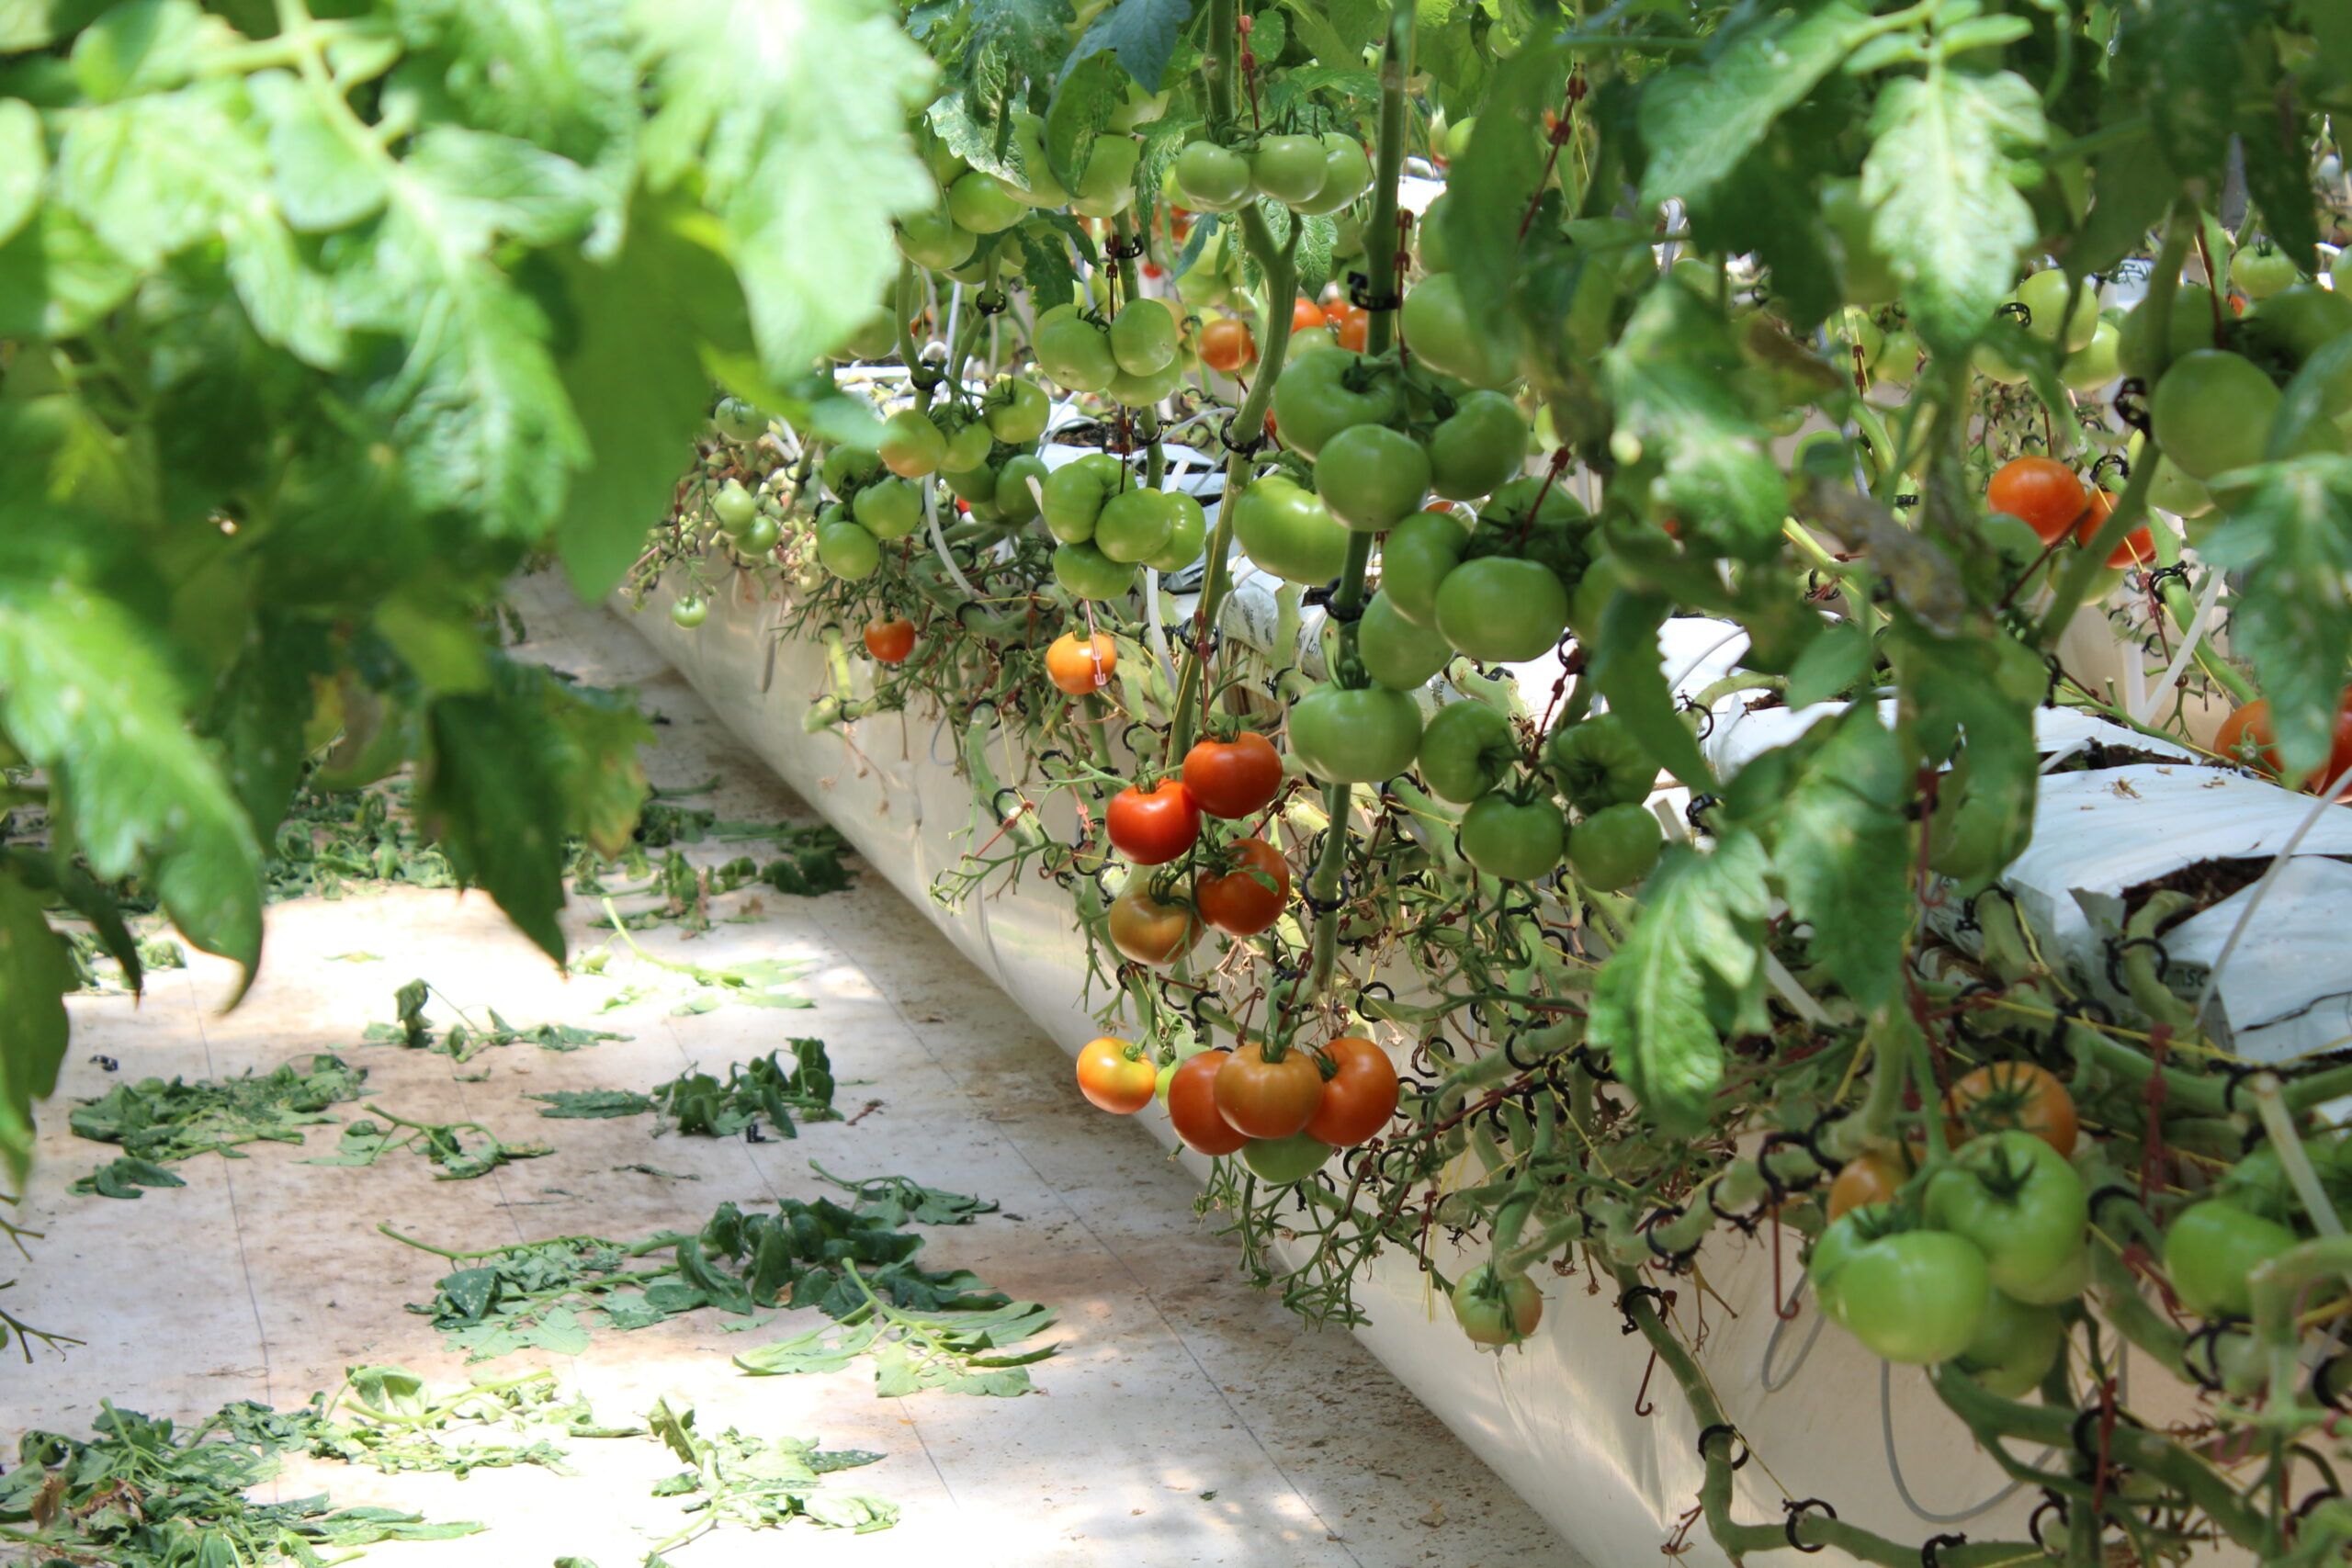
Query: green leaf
[[1830, 665], [142, 46], [36, 973], [1489, 186], [57, 277], [1688, 969], [86, 692], [1081, 106], [1142, 34], [491, 780], [1945, 210], [755, 105], [1626, 668], [2278, 173], [2292, 539], [1322, 39], [24, 158], [1674, 372], [2186, 63], [260, 711], [1841, 852], [322, 180], [1700, 121], [822, 1350], [578, 1104]]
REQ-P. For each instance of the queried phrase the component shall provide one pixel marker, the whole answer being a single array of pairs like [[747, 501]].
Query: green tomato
[[1600, 764], [1016, 410], [1466, 750], [973, 485], [1456, 141], [2262, 270], [2014, 1348], [848, 551], [1278, 1162], [1043, 190], [1289, 532], [739, 420], [967, 450], [1143, 337], [2045, 295], [2211, 1247], [689, 610], [1516, 841], [1142, 391], [1898, 359], [1134, 524], [889, 508], [1290, 169], [932, 239], [1074, 494], [1868, 275], [1615, 847], [912, 445], [1326, 390], [1108, 186], [734, 506], [1396, 652], [2022, 1204], [1915, 1298], [846, 468], [1211, 178], [2296, 323], [2094, 364], [1188, 531], [1073, 352], [1501, 610], [1371, 476], [979, 203], [1344, 737], [2192, 328], [1015, 500], [878, 339], [1479, 446], [1415, 558], [1090, 574], [1347, 173], [1494, 1310], [2212, 412], [1438, 329], [2170, 489], [758, 536]]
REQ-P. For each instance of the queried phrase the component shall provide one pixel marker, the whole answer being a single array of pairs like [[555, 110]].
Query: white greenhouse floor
[[1187, 1419]]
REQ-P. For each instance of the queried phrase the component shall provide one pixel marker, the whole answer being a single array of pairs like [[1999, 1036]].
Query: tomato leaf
[[759, 114], [1841, 852], [1625, 668], [2187, 62], [1700, 121], [24, 157], [1141, 33], [86, 692], [1688, 970], [1084, 98], [36, 972], [1674, 371], [2277, 174], [1489, 186], [2292, 539], [261, 710], [1945, 212]]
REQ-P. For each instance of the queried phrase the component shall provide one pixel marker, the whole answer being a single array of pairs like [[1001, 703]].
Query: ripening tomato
[[891, 641], [1227, 345], [1192, 1106], [1267, 1100], [2246, 735], [1150, 929], [1233, 779], [1116, 1075], [2042, 492], [1080, 667], [2139, 547], [2011, 1096], [1153, 827], [1348, 323], [1249, 897], [1306, 315], [1874, 1176], [1360, 1098], [1496, 1312]]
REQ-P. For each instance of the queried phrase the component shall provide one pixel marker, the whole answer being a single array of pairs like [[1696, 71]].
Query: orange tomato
[[1227, 345], [2042, 492], [1116, 1077], [1267, 1100], [1874, 1176], [2139, 547], [1306, 315], [891, 641], [2247, 736], [2015, 1096], [1080, 667]]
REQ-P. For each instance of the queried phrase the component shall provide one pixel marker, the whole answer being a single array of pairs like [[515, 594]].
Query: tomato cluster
[[1283, 1110]]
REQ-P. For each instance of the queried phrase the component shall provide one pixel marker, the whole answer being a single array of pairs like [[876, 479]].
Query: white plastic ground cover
[[1577, 1421]]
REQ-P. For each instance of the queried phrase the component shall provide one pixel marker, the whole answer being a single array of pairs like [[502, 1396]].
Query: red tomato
[[1117, 1075], [891, 641], [1360, 1098], [2248, 734], [1192, 1106], [2042, 492], [1267, 1100], [1235, 778], [1252, 897], [1227, 345], [1078, 668], [2139, 547], [1152, 827]]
